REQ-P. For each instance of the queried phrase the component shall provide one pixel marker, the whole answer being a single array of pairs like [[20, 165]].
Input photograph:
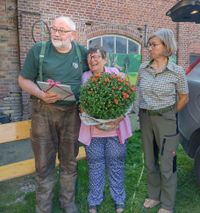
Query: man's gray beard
[[60, 44]]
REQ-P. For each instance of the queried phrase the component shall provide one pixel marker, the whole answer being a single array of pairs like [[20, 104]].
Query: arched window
[[123, 53], [116, 44]]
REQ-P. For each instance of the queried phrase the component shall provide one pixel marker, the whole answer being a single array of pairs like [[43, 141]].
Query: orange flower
[[106, 79], [116, 101], [97, 75], [127, 83], [125, 95], [120, 79], [112, 76], [94, 79]]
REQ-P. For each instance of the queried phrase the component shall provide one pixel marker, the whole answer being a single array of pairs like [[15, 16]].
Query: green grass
[[13, 199], [132, 77]]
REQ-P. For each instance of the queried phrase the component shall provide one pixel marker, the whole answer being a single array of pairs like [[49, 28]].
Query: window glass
[[121, 45], [108, 44], [95, 42], [132, 48]]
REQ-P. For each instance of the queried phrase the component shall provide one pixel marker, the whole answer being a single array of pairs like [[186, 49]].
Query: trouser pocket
[[168, 153]]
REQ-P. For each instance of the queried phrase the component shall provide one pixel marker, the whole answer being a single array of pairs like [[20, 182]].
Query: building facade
[[119, 21]]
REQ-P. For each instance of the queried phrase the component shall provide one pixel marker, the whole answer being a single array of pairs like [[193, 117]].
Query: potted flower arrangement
[[105, 97]]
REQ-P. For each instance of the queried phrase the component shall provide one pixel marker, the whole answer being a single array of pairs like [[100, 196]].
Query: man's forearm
[[30, 87]]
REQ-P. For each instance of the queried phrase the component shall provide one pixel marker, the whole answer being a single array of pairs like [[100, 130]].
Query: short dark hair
[[95, 49]]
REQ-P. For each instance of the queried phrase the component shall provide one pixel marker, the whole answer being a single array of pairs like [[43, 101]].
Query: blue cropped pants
[[106, 154]]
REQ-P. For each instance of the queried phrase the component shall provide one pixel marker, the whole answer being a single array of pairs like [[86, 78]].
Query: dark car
[[185, 11], [189, 117]]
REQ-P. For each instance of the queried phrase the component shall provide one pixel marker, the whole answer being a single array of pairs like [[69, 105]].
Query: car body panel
[[191, 113], [189, 117]]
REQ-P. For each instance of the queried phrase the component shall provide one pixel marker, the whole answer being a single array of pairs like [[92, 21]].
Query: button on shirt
[[159, 90]]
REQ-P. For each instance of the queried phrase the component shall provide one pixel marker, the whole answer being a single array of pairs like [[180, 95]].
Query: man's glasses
[[60, 31]]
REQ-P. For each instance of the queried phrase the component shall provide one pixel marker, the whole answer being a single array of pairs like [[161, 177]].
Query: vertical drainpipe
[[19, 53], [177, 39]]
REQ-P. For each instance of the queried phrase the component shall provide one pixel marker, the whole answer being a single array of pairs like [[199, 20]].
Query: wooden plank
[[27, 167], [15, 131], [17, 169], [81, 153]]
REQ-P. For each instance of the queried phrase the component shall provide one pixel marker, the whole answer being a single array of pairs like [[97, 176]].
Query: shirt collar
[[170, 65]]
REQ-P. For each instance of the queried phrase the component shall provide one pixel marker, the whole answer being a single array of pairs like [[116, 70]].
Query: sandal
[[119, 208], [161, 210], [92, 209], [150, 203]]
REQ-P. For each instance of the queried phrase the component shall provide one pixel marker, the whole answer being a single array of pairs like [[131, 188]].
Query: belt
[[158, 112]]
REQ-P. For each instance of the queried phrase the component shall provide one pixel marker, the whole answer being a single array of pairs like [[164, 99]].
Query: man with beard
[[55, 122]]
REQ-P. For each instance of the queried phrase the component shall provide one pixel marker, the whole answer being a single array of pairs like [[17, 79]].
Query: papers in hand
[[64, 91]]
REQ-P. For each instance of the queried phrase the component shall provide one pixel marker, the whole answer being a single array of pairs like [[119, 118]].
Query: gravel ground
[[14, 191]]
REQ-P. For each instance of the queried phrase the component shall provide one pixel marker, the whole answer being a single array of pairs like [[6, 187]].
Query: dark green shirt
[[61, 67]]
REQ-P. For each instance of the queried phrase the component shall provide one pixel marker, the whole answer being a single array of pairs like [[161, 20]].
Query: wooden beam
[[15, 131], [27, 167], [19, 131]]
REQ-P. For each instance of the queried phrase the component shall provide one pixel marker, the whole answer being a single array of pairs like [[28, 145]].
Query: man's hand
[[49, 97], [30, 87]]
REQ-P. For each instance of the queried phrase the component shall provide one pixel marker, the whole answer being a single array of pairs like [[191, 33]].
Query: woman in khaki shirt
[[162, 92]]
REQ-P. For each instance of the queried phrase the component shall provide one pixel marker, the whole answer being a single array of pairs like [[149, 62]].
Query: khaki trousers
[[160, 139], [54, 129]]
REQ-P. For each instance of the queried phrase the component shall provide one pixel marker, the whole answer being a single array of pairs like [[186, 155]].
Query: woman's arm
[[182, 101]]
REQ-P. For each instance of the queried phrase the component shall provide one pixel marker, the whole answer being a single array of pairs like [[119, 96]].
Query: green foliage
[[106, 96]]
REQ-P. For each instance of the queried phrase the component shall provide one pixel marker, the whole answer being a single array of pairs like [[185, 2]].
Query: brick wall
[[189, 35], [10, 95], [93, 18]]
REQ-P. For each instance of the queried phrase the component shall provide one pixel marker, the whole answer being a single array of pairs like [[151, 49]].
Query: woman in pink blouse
[[105, 150]]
